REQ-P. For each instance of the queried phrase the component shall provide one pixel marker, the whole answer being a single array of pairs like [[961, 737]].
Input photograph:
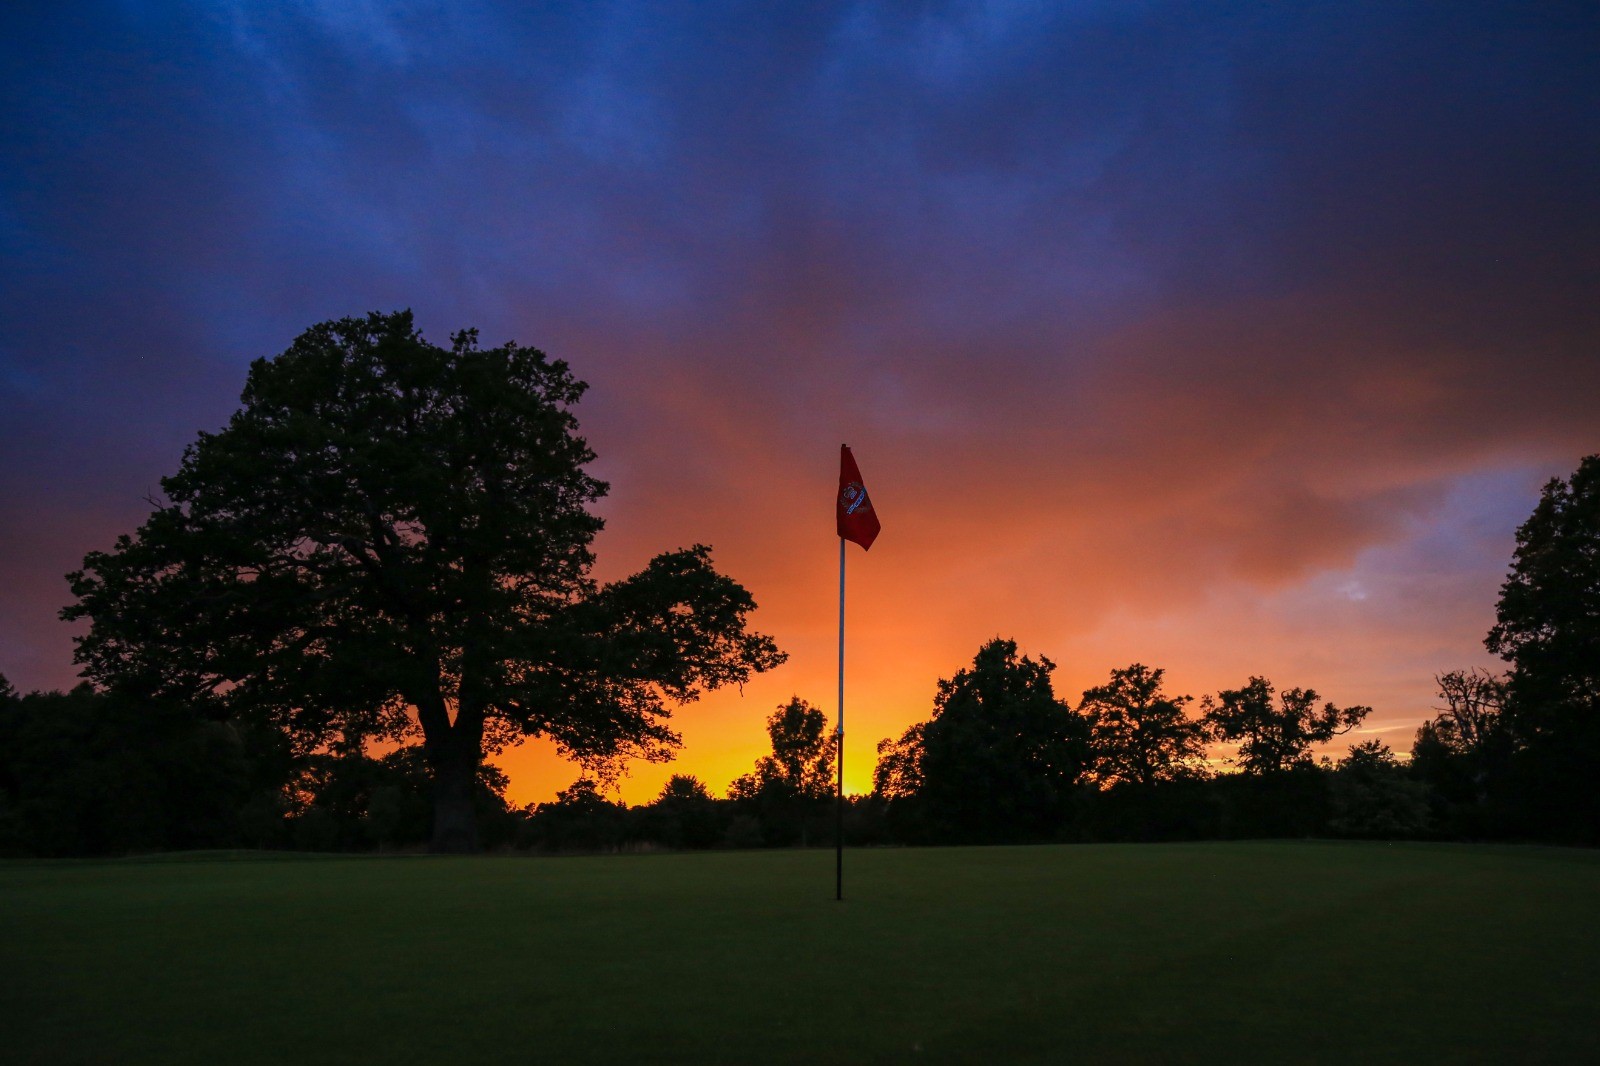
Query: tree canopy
[[898, 773], [1141, 734], [1547, 627], [1274, 736], [1001, 753], [788, 791], [1547, 623], [392, 537], [1470, 722], [801, 763]]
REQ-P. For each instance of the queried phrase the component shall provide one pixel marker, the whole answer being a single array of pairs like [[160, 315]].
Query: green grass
[[1206, 952]]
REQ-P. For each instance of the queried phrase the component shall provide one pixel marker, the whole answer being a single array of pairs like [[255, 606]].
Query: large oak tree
[[391, 537]]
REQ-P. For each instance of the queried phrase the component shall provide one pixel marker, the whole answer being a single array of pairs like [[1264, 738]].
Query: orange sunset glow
[[1094, 562]]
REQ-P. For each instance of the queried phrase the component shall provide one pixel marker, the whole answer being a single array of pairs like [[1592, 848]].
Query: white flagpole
[[838, 834]]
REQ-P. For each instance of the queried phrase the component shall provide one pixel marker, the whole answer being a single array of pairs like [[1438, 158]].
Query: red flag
[[857, 520]]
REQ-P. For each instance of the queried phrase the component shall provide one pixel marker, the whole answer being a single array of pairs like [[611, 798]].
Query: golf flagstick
[[857, 521]]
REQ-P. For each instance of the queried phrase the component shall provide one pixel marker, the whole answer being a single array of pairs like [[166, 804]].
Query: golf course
[[1263, 951]]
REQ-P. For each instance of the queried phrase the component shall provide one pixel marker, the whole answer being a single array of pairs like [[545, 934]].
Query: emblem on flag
[[853, 497]]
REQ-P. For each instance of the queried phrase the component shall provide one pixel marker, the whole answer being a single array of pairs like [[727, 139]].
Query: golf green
[[1272, 951]]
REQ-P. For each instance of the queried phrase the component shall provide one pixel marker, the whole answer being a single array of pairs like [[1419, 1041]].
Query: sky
[[1232, 339]]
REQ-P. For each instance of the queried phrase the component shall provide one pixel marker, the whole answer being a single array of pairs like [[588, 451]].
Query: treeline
[[1508, 757], [1513, 756], [90, 773], [87, 773], [1002, 760]]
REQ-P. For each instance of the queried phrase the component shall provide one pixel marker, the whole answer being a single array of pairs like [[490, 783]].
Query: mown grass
[[1140, 953]]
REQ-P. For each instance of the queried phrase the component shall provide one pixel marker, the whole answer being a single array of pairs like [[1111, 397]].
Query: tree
[[1001, 755], [790, 788], [896, 784], [351, 801], [802, 754], [391, 537], [13, 833], [1372, 796], [1464, 752], [580, 819], [684, 814], [1470, 721], [898, 773], [684, 788], [1273, 737], [1547, 626], [89, 773], [1140, 734]]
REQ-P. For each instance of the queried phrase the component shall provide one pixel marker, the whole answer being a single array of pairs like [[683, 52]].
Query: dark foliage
[[684, 815], [84, 773], [1371, 795], [1141, 735], [354, 802], [1276, 735], [999, 760], [791, 791], [1463, 757], [580, 818], [1181, 808], [1548, 629]]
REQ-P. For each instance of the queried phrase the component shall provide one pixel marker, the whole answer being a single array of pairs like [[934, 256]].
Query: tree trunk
[[454, 749], [455, 824]]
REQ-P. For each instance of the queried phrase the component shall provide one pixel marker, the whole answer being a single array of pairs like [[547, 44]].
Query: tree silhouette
[[898, 773], [1464, 754], [684, 814], [1141, 735], [1372, 796], [1548, 628], [1276, 736], [801, 762], [1470, 722], [580, 818], [684, 788], [391, 536], [87, 773], [790, 788], [1001, 754]]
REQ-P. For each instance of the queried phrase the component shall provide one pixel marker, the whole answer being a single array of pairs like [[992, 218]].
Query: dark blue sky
[[1161, 330]]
